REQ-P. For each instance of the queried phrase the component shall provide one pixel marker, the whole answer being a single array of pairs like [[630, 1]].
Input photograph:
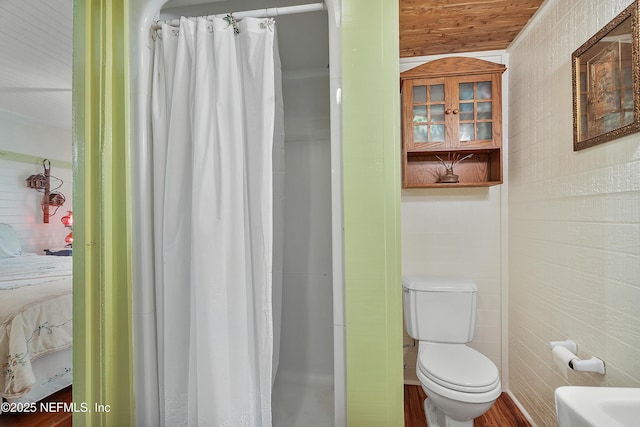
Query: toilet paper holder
[[591, 365]]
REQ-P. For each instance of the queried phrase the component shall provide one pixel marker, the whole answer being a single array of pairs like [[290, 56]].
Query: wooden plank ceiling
[[433, 27]]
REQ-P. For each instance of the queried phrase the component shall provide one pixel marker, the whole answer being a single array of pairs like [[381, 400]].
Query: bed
[[35, 321]]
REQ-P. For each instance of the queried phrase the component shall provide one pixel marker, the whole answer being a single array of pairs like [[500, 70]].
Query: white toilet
[[460, 382]]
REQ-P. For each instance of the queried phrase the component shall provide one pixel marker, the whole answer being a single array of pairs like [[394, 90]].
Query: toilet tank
[[439, 309]]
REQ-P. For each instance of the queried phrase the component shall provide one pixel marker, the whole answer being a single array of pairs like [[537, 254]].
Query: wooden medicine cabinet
[[452, 111]]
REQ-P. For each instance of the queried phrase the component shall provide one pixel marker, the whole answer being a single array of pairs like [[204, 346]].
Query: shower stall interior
[[309, 385]]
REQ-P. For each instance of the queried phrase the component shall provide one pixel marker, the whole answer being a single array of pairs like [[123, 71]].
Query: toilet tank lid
[[439, 284]]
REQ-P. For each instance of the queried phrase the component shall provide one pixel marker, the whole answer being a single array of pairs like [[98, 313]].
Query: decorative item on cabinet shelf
[[449, 176], [423, 169]]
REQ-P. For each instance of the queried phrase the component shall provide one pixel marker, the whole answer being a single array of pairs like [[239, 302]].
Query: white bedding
[[35, 316]]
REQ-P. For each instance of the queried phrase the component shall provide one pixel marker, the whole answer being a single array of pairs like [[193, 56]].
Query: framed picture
[[606, 82]]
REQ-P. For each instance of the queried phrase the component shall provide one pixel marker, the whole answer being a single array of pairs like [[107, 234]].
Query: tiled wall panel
[[574, 220], [306, 348]]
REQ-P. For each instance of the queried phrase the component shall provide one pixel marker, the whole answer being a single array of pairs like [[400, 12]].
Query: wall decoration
[[42, 183], [606, 82]]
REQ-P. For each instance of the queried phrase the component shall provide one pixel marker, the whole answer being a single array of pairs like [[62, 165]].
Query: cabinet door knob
[[447, 111], [455, 111]]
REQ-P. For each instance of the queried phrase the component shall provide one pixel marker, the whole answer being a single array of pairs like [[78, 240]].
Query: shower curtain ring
[[232, 21], [267, 24]]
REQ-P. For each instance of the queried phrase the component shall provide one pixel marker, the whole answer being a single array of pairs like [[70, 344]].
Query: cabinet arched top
[[453, 66]]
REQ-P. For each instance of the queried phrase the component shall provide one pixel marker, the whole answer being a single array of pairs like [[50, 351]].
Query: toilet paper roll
[[561, 358]]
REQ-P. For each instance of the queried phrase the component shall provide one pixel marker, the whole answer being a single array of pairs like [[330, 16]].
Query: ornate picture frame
[[606, 82]]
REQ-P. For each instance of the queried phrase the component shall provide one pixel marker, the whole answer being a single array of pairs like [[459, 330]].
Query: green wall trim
[[371, 162], [27, 158], [102, 349]]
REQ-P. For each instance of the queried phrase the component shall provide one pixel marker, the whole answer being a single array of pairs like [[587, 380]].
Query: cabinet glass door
[[475, 111], [428, 113]]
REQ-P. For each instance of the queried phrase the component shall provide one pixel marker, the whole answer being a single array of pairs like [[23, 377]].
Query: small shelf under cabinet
[[451, 108], [423, 169]]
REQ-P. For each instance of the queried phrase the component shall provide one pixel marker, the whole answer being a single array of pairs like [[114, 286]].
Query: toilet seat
[[457, 367]]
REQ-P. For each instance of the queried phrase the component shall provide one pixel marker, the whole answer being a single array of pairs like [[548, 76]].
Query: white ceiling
[[35, 60]]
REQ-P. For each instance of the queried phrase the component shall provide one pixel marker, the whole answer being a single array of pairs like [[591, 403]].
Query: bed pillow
[[9, 244]]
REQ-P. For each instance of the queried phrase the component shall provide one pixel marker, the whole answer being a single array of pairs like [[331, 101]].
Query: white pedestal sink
[[598, 406]]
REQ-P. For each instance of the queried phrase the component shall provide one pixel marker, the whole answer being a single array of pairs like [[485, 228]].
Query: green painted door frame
[[102, 353], [102, 349]]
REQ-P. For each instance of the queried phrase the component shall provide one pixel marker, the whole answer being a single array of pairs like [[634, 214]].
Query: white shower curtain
[[214, 116]]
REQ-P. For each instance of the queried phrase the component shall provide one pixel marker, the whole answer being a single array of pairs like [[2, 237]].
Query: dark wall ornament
[[606, 82]]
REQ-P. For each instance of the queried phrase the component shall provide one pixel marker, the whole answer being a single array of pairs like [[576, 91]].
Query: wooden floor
[[503, 413], [41, 419]]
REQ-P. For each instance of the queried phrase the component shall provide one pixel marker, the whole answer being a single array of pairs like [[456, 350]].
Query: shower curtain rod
[[269, 12]]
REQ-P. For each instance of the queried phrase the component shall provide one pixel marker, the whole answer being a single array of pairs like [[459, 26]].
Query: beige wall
[[574, 220]]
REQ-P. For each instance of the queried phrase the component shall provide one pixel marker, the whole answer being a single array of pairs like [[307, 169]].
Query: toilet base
[[436, 418]]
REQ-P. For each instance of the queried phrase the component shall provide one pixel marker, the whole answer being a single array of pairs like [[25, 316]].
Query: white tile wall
[[459, 232], [306, 351], [574, 228]]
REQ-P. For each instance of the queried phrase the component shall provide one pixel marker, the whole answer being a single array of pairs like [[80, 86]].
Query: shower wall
[[304, 391], [306, 350]]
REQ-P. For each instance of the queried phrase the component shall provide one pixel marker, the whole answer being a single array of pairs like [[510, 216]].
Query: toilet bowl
[[460, 383]]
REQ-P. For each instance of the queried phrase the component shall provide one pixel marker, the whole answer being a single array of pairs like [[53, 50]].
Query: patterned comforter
[[35, 316]]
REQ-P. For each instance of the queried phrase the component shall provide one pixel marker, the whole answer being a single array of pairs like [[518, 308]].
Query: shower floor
[[302, 403]]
